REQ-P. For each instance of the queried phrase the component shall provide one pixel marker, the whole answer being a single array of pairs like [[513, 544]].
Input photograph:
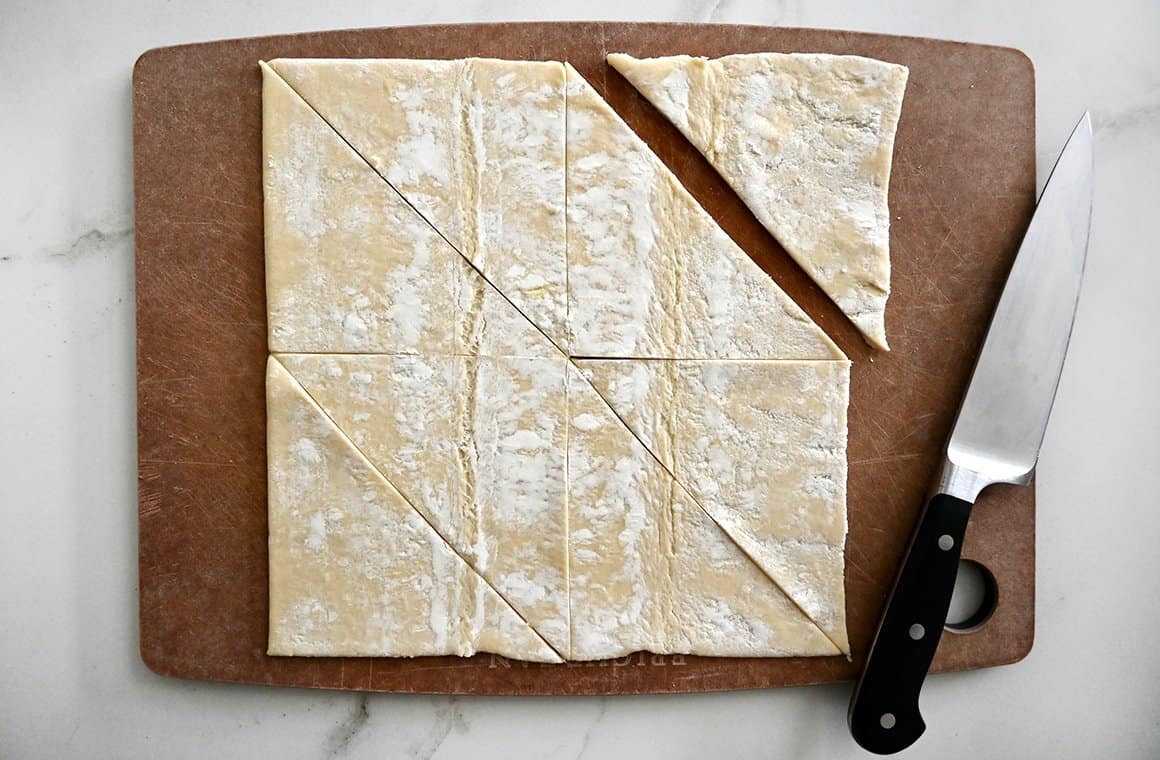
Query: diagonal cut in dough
[[477, 446], [351, 267], [353, 566], [650, 570], [650, 273], [476, 146], [761, 445], [806, 141]]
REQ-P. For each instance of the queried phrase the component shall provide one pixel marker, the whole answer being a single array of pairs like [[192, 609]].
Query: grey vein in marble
[[587, 738], [719, 10], [1135, 114], [447, 716], [95, 241], [340, 737]]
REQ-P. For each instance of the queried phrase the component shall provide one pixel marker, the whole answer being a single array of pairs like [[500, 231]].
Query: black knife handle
[[884, 716]]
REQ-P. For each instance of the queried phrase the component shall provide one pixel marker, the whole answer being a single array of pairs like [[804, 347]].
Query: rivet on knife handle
[[884, 715]]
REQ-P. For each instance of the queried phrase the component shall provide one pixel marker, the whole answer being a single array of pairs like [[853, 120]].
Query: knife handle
[[884, 716]]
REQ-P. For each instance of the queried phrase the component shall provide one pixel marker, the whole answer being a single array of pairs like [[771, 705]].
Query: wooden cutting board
[[961, 195]]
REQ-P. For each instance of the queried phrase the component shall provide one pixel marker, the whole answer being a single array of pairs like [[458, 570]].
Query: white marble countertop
[[71, 682]]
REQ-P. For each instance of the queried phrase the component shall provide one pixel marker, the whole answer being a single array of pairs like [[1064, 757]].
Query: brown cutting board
[[961, 195]]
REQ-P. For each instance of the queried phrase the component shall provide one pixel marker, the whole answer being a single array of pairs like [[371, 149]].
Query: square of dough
[[761, 445], [476, 146], [356, 571], [351, 267], [475, 445], [651, 570]]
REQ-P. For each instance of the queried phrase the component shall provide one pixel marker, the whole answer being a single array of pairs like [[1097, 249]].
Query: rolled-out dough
[[520, 381]]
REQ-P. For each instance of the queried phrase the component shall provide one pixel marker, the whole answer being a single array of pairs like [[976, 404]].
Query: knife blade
[[995, 439]]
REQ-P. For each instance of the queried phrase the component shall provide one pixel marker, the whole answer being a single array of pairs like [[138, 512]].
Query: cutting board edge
[[145, 58], [141, 70]]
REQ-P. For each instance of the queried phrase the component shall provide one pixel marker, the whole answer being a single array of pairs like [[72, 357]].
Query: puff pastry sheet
[[524, 395]]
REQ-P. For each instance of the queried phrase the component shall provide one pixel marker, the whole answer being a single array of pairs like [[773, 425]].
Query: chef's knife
[[995, 439]]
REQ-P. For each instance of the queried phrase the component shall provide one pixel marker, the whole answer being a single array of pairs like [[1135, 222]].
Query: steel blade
[[1003, 417]]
